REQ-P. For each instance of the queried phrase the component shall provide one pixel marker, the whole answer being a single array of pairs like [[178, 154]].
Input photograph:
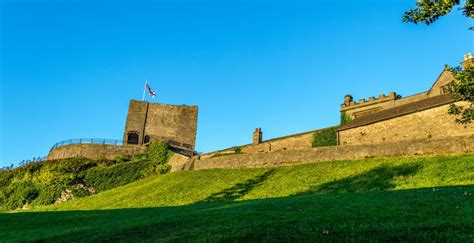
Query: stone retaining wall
[[292, 142], [94, 151], [453, 145]]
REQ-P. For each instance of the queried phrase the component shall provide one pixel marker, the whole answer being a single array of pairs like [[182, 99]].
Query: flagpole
[[144, 89]]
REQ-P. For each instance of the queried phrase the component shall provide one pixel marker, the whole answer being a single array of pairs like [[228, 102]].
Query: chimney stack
[[257, 136], [467, 60]]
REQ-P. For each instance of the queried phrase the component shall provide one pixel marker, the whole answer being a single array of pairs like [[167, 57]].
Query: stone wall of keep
[[173, 123], [425, 147], [136, 116], [432, 123], [162, 122], [94, 151]]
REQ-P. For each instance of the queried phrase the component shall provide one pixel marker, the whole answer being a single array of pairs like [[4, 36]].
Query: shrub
[[238, 150], [156, 169], [140, 156], [158, 152], [48, 194], [325, 137], [104, 178], [122, 158], [20, 193]]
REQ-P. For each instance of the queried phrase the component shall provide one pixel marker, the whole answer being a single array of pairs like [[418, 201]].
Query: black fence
[[88, 141]]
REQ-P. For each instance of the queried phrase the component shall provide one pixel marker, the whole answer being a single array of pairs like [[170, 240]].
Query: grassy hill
[[413, 199]]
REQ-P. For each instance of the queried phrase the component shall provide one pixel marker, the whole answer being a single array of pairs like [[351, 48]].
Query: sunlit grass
[[393, 199], [188, 187]]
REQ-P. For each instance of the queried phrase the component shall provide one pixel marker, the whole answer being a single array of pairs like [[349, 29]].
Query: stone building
[[391, 118], [147, 122]]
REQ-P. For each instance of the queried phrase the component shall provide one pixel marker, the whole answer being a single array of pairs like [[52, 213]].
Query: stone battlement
[[349, 103]]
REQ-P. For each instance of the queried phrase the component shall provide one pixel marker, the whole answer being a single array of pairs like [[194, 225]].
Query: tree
[[428, 11], [463, 90]]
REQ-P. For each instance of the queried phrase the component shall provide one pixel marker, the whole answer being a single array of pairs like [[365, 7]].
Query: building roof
[[398, 111]]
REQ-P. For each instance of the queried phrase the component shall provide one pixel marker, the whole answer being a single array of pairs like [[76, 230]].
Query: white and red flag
[[150, 91]]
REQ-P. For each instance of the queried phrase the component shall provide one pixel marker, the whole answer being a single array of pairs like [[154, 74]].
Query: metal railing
[[88, 141]]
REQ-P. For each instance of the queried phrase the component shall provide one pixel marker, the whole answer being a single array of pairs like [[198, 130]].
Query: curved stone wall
[[94, 151]]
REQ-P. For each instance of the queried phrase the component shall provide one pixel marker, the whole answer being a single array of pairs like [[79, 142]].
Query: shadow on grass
[[239, 190], [396, 216], [377, 179]]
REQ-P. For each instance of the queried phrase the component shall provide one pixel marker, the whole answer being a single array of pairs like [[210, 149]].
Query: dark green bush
[[158, 152], [19, 193], [104, 178], [325, 137], [238, 150], [80, 192], [156, 169], [48, 194]]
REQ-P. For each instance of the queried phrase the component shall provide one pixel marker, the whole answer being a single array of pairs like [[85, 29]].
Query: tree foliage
[[428, 11], [463, 90]]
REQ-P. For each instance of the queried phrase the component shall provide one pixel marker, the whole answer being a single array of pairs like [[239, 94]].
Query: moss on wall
[[325, 137]]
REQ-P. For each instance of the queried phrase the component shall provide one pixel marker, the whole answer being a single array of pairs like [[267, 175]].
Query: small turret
[[467, 60]]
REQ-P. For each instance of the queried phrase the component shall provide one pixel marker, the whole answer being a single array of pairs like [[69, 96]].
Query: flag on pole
[[151, 92]]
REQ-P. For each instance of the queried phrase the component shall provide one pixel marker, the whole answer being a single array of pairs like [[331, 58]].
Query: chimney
[[467, 60], [257, 136]]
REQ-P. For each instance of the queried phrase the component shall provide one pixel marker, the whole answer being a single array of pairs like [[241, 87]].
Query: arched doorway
[[132, 138], [147, 139]]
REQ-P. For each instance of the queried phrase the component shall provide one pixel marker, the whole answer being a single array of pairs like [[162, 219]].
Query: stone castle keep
[[148, 122], [386, 125]]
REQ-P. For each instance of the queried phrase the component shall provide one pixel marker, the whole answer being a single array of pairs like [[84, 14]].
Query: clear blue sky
[[69, 68]]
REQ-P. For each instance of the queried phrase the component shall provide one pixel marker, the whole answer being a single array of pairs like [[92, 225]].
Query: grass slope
[[346, 200]]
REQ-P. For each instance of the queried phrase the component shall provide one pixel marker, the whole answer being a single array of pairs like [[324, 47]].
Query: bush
[[104, 178], [238, 150], [156, 169], [20, 193], [122, 158], [325, 137], [48, 194], [158, 152]]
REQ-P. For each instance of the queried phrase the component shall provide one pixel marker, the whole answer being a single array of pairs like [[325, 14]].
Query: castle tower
[[174, 124], [136, 121], [257, 136]]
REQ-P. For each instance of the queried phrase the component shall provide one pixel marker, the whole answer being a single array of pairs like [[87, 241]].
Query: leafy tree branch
[[428, 11]]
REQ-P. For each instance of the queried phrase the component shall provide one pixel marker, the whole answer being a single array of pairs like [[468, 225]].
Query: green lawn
[[409, 199]]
